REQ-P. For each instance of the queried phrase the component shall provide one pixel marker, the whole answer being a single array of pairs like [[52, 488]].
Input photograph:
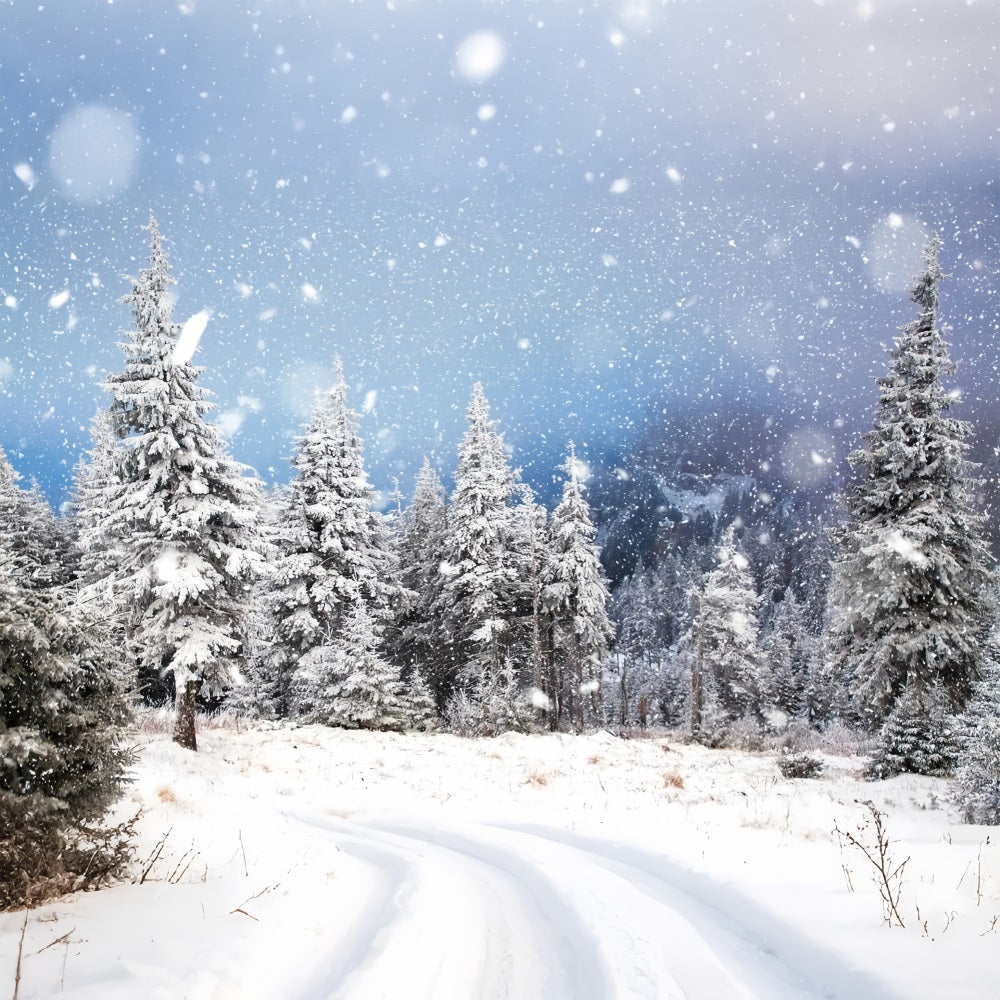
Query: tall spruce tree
[[346, 681], [97, 553], [908, 596], [789, 650], [532, 622], [181, 512], [61, 716], [576, 595], [722, 640], [94, 480], [417, 640], [977, 781], [476, 599], [333, 551]]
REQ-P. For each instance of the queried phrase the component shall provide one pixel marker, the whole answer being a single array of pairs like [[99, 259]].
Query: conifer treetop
[[908, 587]]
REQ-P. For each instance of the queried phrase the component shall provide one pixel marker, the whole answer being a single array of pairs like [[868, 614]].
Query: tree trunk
[[622, 694], [696, 689], [184, 734], [555, 689]]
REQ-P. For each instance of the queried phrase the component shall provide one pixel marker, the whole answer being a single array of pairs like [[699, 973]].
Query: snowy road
[[485, 912], [318, 864]]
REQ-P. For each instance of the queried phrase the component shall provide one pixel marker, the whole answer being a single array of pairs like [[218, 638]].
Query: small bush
[[800, 765], [38, 864], [462, 715], [918, 737]]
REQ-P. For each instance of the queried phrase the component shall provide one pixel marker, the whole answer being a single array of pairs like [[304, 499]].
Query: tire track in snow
[[446, 924], [527, 912], [774, 958]]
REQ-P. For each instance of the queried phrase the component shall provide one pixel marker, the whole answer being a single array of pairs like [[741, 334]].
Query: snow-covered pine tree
[[788, 649], [97, 553], [35, 543], [346, 681], [333, 551], [723, 634], [826, 695], [94, 481], [62, 763], [909, 589], [919, 736], [531, 623], [183, 514], [417, 708], [417, 641], [977, 781], [476, 603], [576, 595], [634, 632], [261, 695]]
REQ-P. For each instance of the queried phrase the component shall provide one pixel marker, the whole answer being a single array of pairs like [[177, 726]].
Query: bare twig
[[246, 873], [966, 872], [979, 875], [20, 950], [154, 857], [888, 878], [178, 873], [62, 971], [847, 877], [256, 895], [58, 940], [992, 927]]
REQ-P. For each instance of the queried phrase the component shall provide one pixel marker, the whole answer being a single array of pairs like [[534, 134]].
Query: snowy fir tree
[[347, 682], [789, 650], [636, 646], [908, 594], [97, 553], [94, 481], [333, 551], [36, 544], [181, 513], [417, 708], [475, 605], [531, 622], [417, 638], [977, 780], [261, 695], [648, 611], [919, 736], [722, 639], [825, 696], [576, 595], [62, 763]]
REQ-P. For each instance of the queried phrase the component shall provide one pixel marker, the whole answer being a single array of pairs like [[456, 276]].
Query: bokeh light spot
[[93, 153]]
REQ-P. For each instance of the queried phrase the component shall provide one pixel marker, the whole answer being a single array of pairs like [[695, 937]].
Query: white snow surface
[[315, 863]]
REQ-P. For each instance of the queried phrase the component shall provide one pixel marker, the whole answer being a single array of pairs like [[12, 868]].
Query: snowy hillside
[[318, 863]]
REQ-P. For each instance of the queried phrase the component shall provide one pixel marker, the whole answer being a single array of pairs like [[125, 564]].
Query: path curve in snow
[[536, 913]]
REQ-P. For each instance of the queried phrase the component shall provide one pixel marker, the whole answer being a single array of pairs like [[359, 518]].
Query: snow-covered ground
[[314, 863]]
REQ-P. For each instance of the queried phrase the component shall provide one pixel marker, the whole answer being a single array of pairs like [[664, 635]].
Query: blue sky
[[600, 210]]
